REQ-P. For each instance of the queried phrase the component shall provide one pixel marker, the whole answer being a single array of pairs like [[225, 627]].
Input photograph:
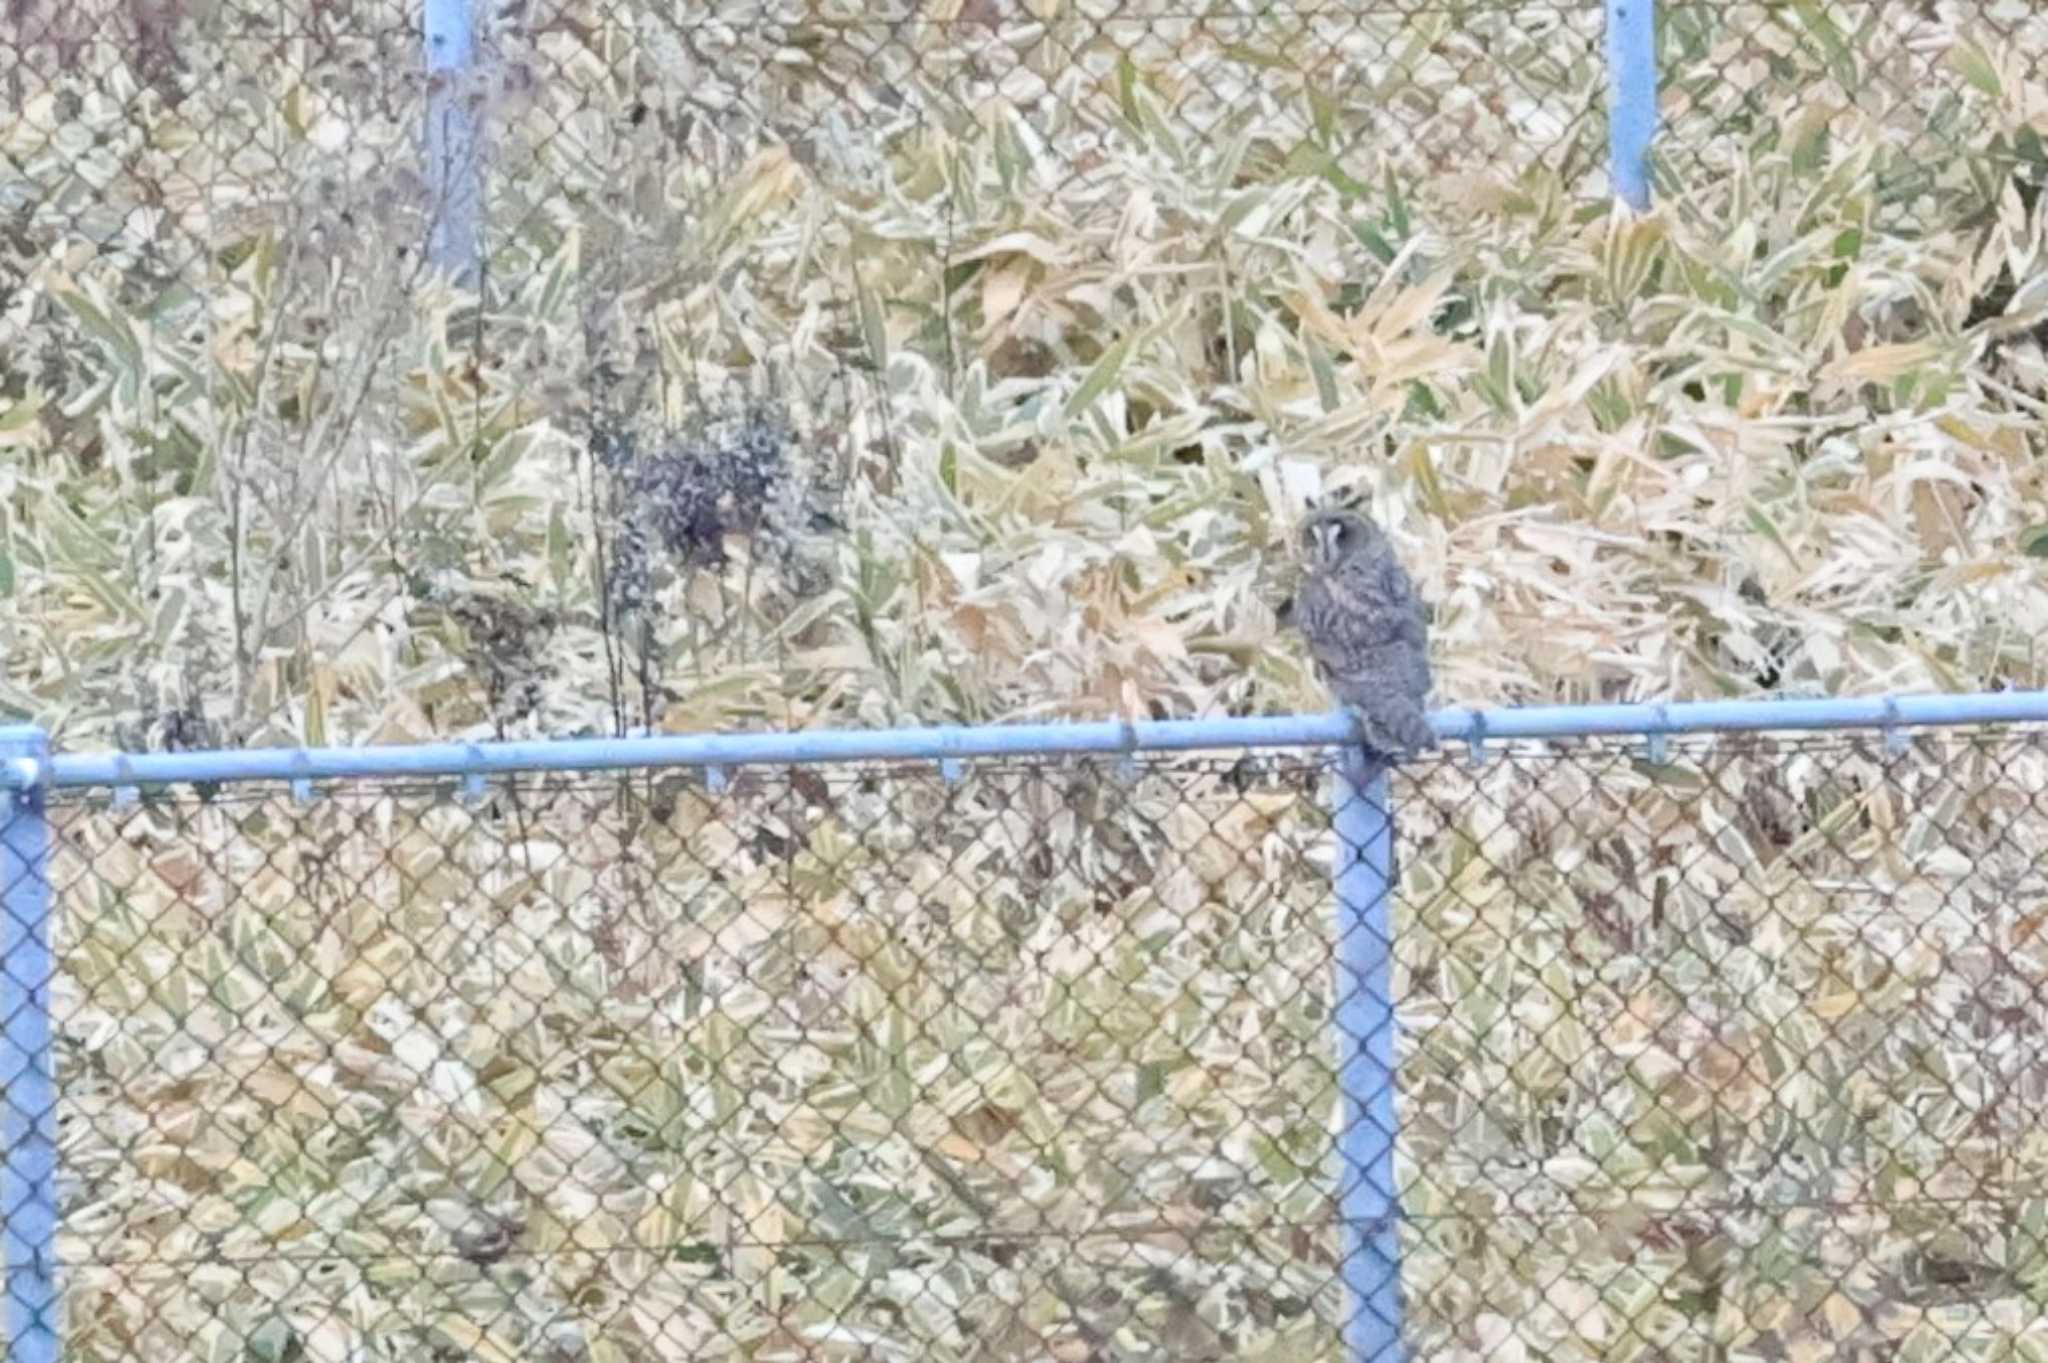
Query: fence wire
[[1733, 1052], [168, 137]]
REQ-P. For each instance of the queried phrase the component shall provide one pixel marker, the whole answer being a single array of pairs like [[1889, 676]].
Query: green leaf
[[1240, 207], [1761, 522], [558, 281], [1822, 30], [1127, 91], [19, 416], [1397, 208], [1101, 377], [2034, 540], [1370, 238], [873, 328], [1977, 69], [1324, 372], [117, 334], [1668, 774]]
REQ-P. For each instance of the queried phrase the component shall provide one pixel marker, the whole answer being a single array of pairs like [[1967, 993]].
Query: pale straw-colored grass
[[1073, 311]]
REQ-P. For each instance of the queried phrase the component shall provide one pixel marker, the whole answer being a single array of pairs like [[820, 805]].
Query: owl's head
[[1330, 537]]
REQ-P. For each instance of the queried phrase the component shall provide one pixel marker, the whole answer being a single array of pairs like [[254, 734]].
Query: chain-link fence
[[168, 136], [168, 141], [1729, 1047]]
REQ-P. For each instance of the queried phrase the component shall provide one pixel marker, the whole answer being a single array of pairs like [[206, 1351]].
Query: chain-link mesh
[[1922, 108], [169, 136], [162, 131], [1731, 1053]]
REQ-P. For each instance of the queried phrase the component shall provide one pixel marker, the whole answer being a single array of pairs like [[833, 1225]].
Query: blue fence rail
[[1362, 818]]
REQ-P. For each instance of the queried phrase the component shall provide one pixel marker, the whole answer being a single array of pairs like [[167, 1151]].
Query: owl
[[1366, 630]]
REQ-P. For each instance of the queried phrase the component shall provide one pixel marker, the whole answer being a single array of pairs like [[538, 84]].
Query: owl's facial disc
[[1327, 536]]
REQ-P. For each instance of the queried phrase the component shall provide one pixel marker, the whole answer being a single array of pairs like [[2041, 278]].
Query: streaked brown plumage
[[1366, 630]]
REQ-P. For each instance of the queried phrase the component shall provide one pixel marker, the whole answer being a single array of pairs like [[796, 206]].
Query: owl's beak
[[1326, 542]]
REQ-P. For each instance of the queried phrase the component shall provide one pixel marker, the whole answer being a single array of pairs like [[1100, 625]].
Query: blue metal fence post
[[1364, 824], [1631, 97], [28, 1087], [454, 158]]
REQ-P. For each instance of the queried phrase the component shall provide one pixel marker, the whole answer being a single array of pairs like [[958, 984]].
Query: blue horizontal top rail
[[943, 744]]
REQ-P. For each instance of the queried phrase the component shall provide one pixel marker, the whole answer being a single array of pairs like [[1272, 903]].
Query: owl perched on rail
[[1366, 629]]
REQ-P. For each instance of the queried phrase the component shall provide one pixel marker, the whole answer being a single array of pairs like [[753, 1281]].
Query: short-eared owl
[[1366, 630]]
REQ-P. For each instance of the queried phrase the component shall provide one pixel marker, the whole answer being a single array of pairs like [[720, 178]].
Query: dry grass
[[1069, 314]]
